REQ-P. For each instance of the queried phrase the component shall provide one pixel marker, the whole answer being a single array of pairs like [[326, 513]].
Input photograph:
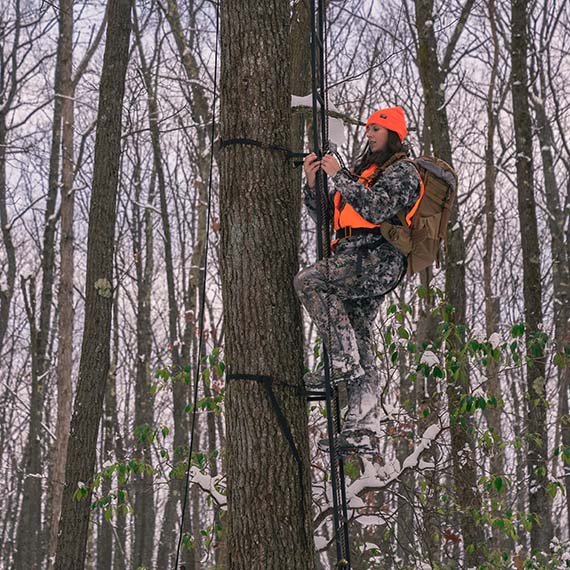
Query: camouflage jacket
[[397, 188]]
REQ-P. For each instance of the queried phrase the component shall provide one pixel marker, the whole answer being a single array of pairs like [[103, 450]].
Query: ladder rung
[[316, 395]]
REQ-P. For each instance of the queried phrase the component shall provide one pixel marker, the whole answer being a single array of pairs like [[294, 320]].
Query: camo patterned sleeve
[[396, 189], [310, 200]]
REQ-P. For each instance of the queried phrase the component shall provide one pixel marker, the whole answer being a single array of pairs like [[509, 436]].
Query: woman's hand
[[330, 164], [310, 166]]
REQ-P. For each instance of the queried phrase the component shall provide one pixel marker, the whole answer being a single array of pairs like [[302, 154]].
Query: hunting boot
[[343, 370], [361, 428]]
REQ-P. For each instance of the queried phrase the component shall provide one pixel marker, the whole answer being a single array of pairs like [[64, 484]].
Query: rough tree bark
[[269, 513], [537, 440], [94, 363], [105, 531], [433, 75], [143, 242], [492, 299], [65, 294], [144, 491], [556, 223]]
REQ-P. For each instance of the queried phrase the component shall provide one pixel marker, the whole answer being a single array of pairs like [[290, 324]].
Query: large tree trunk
[[433, 82], [143, 242], [492, 300], [143, 485], [65, 294], [94, 363], [269, 512], [537, 462], [559, 251]]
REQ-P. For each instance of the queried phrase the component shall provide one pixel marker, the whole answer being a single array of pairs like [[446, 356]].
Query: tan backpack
[[425, 226]]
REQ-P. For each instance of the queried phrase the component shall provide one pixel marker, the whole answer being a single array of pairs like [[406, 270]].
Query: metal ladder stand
[[330, 395]]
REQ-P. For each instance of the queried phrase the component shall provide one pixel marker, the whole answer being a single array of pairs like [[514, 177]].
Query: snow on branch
[[374, 478], [210, 485]]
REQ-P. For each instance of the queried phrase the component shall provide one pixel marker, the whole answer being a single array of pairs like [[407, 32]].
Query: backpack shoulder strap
[[393, 159]]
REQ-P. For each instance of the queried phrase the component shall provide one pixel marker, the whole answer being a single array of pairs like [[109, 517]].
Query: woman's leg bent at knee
[[320, 290]]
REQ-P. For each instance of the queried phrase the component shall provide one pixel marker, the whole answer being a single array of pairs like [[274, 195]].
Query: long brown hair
[[368, 158]]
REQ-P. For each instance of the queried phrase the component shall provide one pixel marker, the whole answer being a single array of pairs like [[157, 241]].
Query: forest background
[[474, 355]]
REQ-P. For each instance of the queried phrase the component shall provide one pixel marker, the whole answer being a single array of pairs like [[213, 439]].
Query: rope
[[289, 154], [202, 297]]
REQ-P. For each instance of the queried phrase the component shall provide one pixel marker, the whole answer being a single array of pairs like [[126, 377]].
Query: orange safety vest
[[345, 216]]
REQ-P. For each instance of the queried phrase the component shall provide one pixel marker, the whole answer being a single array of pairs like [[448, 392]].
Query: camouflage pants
[[342, 295]]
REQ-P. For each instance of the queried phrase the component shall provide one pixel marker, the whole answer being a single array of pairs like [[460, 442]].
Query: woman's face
[[377, 137]]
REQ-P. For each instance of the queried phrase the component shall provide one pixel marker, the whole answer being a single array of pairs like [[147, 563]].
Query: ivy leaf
[[403, 333], [437, 372], [498, 484], [351, 469], [552, 489], [517, 330], [481, 404]]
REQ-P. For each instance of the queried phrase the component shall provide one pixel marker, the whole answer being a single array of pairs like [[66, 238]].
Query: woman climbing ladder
[[342, 294]]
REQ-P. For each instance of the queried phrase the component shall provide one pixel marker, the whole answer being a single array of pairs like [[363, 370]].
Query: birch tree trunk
[[269, 513], [537, 440], [94, 363]]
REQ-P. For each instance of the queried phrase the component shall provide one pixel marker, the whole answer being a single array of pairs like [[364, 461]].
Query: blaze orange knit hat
[[392, 119]]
